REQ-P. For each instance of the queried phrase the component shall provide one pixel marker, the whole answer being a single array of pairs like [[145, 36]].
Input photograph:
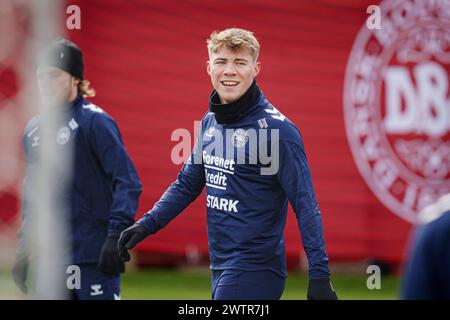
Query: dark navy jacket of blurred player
[[427, 275], [105, 188]]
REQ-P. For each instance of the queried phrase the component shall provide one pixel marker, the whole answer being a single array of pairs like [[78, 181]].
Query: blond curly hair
[[234, 38], [85, 90]]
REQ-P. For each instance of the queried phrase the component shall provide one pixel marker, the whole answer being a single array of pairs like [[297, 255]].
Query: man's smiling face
[[232, 72]]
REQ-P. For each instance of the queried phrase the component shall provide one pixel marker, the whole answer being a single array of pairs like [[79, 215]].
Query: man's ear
[[208, 68], [257, 68]]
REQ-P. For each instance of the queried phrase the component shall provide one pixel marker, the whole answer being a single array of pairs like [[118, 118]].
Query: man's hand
[[20, 271], [321, 289], [129, 238], [110, 263]]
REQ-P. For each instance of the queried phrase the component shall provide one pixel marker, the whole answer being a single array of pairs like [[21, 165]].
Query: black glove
[[110, 263], [20, 271], [129, 238], [321, 289]]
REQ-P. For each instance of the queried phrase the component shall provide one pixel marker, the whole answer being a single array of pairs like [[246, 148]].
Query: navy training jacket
[[103, 195], [427, 272], [246, 210]]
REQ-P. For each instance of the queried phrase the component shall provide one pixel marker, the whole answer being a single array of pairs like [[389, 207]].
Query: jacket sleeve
[[110, 151], [185, 189], [294, 177]]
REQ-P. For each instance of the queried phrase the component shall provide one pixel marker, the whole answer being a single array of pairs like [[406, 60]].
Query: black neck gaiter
[[230, 112]]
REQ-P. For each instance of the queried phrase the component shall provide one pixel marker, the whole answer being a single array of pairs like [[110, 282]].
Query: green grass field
[[195, 284]]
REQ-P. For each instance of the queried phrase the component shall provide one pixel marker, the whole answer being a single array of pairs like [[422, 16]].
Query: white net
[[25, 27]]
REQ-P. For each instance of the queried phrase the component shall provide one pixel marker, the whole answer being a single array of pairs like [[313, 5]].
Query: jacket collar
[[231, 112]]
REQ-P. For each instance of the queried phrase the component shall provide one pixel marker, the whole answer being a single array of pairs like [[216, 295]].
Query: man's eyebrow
[[236, 60], [241, 59]]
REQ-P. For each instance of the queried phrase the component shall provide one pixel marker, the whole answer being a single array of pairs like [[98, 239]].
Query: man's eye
[[241, 63], [220, 62]]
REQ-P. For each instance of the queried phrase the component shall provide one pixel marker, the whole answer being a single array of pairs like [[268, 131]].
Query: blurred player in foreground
[[247, 193], [103, 193], [427, 274]]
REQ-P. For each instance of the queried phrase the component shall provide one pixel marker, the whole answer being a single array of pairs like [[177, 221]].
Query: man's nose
[[229, 69]]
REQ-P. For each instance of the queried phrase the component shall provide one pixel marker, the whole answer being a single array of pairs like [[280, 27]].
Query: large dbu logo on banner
[[397, 105]]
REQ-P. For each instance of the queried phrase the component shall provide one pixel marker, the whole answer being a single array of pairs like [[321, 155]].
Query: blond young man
[[247, 191]]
